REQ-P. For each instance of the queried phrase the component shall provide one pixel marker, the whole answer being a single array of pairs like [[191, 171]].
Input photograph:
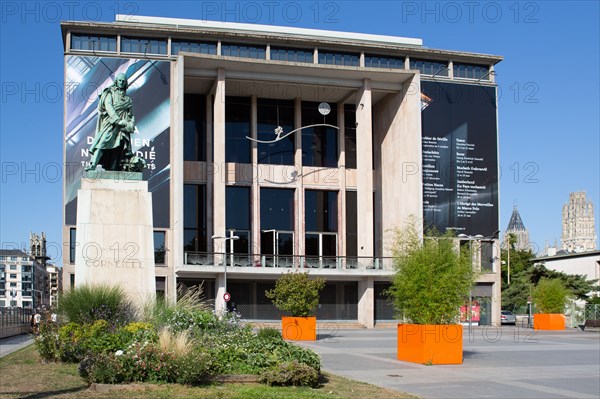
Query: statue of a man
[[111, 147]]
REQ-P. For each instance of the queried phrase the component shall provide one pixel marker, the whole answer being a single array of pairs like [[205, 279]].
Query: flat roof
[[256, 28]]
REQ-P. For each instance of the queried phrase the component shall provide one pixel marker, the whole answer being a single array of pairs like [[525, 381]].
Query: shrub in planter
[[290, 373], [431, 281], [550, 297], [297, 294]]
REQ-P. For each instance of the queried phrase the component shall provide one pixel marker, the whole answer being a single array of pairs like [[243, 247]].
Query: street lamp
[[470, 238], [231, 238]]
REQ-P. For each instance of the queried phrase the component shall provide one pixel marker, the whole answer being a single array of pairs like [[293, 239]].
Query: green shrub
[[550, 296], [290, 373], [147, 362], [88, 303], [47, 342], [296, 293], [432, 277], [269, 333]]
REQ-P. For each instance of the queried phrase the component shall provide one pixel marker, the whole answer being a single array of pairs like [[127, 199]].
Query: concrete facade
[[387, 178]]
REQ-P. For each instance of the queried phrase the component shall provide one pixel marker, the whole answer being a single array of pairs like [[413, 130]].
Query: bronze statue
[[111, 147]]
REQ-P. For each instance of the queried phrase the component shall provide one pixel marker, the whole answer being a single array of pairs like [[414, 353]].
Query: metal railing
[[288, 261], [14, 321]]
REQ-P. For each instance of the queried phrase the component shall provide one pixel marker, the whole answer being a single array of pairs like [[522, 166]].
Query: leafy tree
[[432, 277], [296, 293], [550, 296]]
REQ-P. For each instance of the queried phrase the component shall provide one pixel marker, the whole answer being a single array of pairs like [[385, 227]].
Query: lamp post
[[230, 238]]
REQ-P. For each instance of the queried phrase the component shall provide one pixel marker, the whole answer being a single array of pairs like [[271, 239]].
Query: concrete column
[[299, 208], [211, 169], [366, 302], [175, 255], [218, 209], [364, 169], [342, 184], [220, 288], [255, 190]]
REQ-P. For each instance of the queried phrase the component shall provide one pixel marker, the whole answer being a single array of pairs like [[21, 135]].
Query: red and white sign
[[226, 296]]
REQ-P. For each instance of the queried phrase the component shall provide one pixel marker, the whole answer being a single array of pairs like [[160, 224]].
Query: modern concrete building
[[578, 224], [23, 280], [55, 281], [273, 149], [582, 263], [518, 230]]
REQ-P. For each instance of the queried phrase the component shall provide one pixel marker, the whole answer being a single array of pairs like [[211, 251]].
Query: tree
[[296, 293], [432, 277], [550, 296]]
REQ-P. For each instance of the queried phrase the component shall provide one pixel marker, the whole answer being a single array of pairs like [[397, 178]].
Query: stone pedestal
[[115, 234]]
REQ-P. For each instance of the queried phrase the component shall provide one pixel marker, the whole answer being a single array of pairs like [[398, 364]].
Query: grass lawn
[[23, 375]]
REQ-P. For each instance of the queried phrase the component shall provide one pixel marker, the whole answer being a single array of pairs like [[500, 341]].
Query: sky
[[548, 110]]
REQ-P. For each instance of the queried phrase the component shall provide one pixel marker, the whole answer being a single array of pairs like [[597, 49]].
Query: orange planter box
[[430, 344], [548, 321], [299, 328]]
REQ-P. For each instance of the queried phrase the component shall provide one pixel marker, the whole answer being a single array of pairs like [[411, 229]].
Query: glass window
[[487, 256], [93, 43], [161, 285], [346, 59], [14, 276], [194, 217], [351, 224], [193, 47], [237, 209], [143, 45], [237, 128], [243, 51], [350, 135], [271, 114], [291, 54], [470, 71], [72, 244], [430, 67], [13, 267], [377, 61], [160, 249], [194, 127], [320, 143], [277, 209], [320, 211]]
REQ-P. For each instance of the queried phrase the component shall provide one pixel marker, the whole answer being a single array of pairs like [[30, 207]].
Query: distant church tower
[[37, 245], [517, 228], [578, 224]]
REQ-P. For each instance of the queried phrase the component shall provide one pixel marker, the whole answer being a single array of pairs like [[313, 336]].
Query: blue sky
[[548, 109]]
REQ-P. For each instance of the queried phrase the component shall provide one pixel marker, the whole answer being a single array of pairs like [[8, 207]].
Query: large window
[[377, 61], [331, 58], [291, 54], [160, 248], [237, 128], [243, 51], [143, 45], [271, 115], [194, 127], [319, 144], [93, 43], [193, 47], [72, 244], [321, 226], [194, 217], [237, 218], [351, 224], [470, 71], [350, 135], [277, 221], [430, 67]]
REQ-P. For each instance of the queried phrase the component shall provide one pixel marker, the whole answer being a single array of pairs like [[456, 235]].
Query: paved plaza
[[499, 362]]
